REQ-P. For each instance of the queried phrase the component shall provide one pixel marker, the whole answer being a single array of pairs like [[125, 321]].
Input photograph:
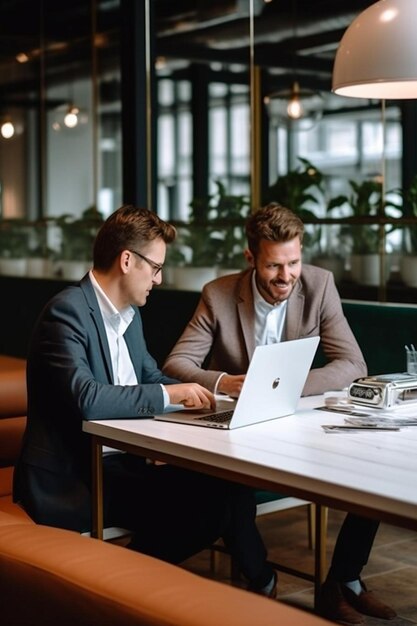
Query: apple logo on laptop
[[275, 383]]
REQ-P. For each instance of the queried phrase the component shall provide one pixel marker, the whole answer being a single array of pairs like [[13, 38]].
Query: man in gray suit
[[88, 360], [277, 299]]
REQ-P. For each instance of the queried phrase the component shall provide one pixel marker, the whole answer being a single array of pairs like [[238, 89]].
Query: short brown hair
[[128, 228], [274, 223]]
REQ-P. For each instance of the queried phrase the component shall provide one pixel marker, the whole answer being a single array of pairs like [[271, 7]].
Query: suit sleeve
[[187, 358], [68, 362], [345, 361]]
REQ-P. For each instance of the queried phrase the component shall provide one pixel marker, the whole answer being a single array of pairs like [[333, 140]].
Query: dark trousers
[[176, 513], [352, 549]]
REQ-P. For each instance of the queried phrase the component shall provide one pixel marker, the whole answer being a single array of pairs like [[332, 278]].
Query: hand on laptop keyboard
[[231, 385], [191, 395]]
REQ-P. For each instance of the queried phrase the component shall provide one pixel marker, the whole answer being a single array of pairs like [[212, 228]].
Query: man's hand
[[232, 385], [191, 395]]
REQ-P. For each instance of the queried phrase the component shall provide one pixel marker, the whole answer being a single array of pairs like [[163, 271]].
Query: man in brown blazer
[[222, 331], [278, 299]]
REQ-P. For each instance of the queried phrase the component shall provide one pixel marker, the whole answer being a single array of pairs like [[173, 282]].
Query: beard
[[276, 290]]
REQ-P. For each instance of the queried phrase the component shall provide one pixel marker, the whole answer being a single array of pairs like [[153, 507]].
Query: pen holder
[[411, 362]]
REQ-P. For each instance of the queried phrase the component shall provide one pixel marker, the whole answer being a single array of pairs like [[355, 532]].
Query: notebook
[[271, 389]]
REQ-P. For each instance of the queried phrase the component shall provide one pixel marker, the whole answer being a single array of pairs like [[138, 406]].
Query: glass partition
[[223, 142], [61, 165]]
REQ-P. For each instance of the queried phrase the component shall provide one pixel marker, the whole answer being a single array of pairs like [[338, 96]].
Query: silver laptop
[[271, 389]]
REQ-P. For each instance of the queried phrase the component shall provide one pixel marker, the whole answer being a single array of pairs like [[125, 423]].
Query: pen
[[344, 410], [347, 427]]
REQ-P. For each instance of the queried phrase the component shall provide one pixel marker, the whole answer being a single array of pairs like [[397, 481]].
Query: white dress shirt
[[269, 321], [116, 323], [269, 318]]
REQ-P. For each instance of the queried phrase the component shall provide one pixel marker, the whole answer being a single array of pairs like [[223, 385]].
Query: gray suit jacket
[[220, 337], [69, 379]]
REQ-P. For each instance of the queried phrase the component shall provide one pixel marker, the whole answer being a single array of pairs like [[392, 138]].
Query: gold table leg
[[320, 548], [97, 489]]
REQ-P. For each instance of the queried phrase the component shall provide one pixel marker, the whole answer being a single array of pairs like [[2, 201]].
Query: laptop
[[271, 389]]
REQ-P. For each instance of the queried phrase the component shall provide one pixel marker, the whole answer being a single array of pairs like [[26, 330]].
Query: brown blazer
[[220, 337]]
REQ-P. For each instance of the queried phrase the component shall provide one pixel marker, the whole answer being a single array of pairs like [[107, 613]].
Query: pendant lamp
[[377, 56], [7, 129], [300, 108], [71, 116]]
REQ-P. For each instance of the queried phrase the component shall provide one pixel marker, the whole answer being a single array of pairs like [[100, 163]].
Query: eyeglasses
[[156, 267]]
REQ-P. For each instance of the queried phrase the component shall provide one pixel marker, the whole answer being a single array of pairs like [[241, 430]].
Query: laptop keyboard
[[219, 418]]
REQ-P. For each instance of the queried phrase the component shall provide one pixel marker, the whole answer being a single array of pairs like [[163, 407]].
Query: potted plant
[[328, 251], [195, 253], [363, 238], [40, 253], [213, 238], [302, 191], [13, 246], [231, 212], [408, 261], [77, 239]]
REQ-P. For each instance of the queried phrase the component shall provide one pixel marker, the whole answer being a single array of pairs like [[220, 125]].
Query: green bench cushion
[[382, 331]]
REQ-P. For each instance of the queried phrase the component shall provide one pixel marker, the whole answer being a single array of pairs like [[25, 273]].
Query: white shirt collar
[[258, 299], [118, 320], [269, 318]]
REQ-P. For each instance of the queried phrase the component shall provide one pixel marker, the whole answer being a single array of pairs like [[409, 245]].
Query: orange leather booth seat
[[50, 576], [13, 397], [13, 407]]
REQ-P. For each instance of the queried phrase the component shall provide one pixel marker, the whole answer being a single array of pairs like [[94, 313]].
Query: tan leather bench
[[13, 406], [50, 576]]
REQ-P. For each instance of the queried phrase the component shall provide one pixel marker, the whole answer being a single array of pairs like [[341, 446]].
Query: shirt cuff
[[168, 408], [166, 396], [217, 383]]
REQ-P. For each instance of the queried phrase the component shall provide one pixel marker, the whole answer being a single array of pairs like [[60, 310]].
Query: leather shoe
[[367, 603], [273, 593], [332, 605]]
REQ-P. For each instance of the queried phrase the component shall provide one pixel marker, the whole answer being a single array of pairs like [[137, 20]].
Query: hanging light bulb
[[71, 117], [295, 109], [7, 129], [68, 116], [302, 108]]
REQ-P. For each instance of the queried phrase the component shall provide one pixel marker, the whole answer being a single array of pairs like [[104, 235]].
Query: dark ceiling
[[289, 36]]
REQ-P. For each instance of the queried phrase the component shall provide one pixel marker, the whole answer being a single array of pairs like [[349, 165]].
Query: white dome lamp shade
[[377, 56]]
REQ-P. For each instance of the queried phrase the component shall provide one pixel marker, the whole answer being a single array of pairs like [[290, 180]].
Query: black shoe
[[273, 593]]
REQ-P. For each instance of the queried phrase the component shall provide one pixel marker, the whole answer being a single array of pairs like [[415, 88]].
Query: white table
[[369, 473]]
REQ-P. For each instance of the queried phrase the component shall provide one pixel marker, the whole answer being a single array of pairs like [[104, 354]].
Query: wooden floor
[[391, 571]]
